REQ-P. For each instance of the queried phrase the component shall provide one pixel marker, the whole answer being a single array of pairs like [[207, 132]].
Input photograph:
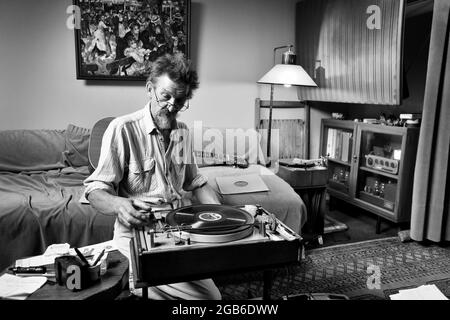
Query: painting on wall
[[120, 39], [353, 49]]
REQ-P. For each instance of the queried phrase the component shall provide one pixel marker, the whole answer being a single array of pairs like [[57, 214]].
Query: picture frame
[[119, 39]]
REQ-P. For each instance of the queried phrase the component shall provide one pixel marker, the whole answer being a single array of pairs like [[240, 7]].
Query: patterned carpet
[[343, 269]]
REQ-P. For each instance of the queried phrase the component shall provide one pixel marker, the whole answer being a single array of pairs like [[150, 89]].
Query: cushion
[[77, 143], [41, 150], [216, 146], [27, 150]]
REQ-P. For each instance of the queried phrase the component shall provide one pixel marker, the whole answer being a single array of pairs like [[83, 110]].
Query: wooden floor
[[361, 226]]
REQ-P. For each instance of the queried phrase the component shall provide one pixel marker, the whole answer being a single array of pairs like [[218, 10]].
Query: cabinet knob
[[355, 158]]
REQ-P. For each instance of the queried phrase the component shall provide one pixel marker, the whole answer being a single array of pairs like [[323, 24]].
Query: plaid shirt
[[134, 164]]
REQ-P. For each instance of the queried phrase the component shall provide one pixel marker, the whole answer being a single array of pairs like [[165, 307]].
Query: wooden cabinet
[[371, 166], [310, 184]]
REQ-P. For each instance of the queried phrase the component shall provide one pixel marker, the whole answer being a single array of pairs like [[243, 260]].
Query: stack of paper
[[425, 292], [18, 288], [50, 255]]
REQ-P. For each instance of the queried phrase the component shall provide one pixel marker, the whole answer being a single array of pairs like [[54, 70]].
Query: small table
[[108, 288], [310, 184]]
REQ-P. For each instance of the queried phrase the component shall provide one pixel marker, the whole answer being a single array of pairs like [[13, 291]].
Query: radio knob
[[370, 161]]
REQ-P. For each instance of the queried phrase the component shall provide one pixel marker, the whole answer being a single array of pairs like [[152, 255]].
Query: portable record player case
[[168, 263]]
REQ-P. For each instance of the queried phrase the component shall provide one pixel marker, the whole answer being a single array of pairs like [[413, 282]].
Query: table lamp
[[287, 73]]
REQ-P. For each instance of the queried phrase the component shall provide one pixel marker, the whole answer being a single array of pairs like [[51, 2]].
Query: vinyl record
[[210, 219]]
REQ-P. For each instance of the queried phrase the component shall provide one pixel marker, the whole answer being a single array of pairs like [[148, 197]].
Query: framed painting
[[119, 39]]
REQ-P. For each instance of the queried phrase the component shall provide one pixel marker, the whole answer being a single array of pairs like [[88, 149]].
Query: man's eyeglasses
[[164, 103]]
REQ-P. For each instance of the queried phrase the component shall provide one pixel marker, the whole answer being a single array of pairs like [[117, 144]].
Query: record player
[[200, 241]]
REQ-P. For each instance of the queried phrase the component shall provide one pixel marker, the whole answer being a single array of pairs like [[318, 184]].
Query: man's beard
[[165, 119]]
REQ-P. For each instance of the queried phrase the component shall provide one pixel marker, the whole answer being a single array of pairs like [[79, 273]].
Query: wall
[[231, 44]]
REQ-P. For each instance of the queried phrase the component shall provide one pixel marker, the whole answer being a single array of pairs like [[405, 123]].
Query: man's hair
[[177, 68]]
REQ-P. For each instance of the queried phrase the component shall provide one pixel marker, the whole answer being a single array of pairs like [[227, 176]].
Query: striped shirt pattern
[[134, 164]]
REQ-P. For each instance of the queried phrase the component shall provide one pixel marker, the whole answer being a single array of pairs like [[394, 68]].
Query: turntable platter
[[212, 222]]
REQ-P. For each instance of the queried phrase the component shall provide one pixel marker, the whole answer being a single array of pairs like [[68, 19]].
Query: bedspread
[[39, 208]]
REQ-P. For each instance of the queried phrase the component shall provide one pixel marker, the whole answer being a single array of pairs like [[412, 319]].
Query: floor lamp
[[287, 73]]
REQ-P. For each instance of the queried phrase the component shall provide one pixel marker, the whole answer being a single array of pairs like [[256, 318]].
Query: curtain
[[430, 201]]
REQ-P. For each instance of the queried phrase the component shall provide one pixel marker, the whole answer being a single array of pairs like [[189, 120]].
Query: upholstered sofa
[[41, 184]]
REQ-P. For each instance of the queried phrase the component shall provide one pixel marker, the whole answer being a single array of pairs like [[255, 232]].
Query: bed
[[41, 183]]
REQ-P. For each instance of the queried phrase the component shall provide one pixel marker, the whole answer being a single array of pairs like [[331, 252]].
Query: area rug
[[369, 270], [332, 225]]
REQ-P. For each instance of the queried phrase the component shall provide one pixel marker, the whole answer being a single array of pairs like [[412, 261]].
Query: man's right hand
[[128, 212]]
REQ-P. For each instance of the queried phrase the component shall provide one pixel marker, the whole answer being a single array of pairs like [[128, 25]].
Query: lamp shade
[[288, 74]]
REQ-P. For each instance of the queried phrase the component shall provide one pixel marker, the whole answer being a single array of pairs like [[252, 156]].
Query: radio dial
[[382, 164]]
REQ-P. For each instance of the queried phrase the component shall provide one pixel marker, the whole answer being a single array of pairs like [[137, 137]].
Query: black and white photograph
[[119, 39], [226, 158]]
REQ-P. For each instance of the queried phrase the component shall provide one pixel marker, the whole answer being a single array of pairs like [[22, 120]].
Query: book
[[333, 144], [329, 137], [339, 144], [350, 146], [345, 146]]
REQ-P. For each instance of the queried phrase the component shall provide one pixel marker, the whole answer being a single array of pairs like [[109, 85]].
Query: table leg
[[378, 226], [314, 199]]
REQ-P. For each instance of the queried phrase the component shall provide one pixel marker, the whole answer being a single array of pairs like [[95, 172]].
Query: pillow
[[29, 150], [76, 148], [219, 146]]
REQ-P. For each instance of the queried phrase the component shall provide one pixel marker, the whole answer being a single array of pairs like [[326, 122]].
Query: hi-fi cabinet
[[371, 166]]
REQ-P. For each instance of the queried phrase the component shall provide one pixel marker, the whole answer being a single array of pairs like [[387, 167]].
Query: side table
[[310, 184], [109, 287]]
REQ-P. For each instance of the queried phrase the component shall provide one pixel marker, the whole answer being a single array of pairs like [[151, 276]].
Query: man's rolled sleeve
[[98, 185], [110, 168], [193, 180]]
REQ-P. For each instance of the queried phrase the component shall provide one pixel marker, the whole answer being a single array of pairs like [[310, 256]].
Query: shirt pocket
[[141, 174]]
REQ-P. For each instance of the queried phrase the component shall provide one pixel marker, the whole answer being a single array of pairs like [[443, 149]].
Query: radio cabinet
[[371, 166]]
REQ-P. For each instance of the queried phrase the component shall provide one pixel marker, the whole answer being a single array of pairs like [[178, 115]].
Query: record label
[[241, 183], [210, 216]]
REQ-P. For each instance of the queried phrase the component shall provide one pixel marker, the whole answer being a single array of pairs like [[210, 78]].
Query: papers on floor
[[57, 250], [18, 288], [425, 292]]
